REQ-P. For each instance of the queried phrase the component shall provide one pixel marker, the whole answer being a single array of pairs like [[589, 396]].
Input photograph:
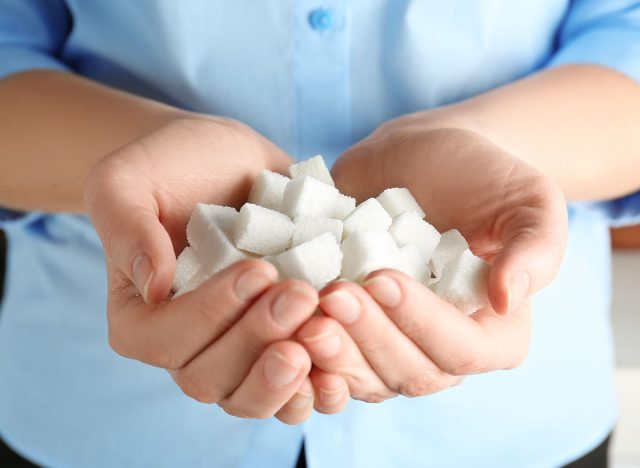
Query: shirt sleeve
[[606, 33], [32, 33]]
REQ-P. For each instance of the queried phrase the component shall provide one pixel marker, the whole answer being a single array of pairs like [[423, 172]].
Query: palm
[[464, 181], [162, 176]]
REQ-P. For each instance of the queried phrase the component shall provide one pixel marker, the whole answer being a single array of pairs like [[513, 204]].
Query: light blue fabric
[[313, 77]]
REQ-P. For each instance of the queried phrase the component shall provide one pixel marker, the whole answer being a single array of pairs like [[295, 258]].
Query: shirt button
[[321, 19]]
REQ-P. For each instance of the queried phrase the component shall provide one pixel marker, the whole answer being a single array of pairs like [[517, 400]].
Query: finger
[[171, 334], [218, 371], [400, 363], [457, 344], [299, 406], [331, 391], [358, 171], [334, 351], [533, 246], [273, 380], [126, 217]]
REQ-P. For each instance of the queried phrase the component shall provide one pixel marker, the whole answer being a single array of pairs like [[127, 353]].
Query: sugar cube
[[187, 265], [262, 231], [431, 281], [218, 252], [308, 227], [368, 216], [312, 167], [367, 251], [409, 227], [343, 206], [411, 263], [307, 196], [464, 282], [317, 261], [451, 245], [399, 200], [192, 283], [268, 189], [204, 217]]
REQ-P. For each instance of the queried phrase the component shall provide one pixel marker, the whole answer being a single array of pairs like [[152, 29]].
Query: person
[[493, 113]]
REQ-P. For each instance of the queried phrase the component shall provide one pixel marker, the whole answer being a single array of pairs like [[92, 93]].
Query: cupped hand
[[229, 341], [395, 336]]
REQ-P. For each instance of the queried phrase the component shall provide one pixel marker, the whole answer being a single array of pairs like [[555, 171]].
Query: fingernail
[[251, 283], [331, 397], [279, 371], [384, 290], [142, 271], [292, 307], [341, 305], [326, 345], [304, 396], [518, 288]]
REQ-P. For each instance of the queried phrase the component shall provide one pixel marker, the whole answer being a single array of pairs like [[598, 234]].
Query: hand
[[228, 342], [393, 335]]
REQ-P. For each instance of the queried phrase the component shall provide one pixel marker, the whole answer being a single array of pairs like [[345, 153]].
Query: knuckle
[[209, 310], [167, 359], [261, 414], [193, 387], [362, 392], [232, 410], [291, 420], [467, 363], [420, 386], [255, 412], [373, 397]]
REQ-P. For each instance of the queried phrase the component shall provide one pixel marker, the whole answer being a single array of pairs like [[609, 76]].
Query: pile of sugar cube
[[308, 230]]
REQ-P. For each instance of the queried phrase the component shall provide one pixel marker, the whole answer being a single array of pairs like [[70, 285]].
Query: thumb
[[359, 172], [533, 247], [125, 214]]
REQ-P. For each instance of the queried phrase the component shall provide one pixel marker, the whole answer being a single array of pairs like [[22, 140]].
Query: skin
[[138, 167], [144, 190]]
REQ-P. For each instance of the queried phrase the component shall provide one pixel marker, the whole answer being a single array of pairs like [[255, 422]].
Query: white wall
[[626, 325]]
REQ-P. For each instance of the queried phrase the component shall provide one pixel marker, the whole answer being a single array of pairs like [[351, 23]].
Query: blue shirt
[[314, 77]]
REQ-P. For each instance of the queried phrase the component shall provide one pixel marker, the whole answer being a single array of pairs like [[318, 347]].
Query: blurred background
[[625, 311]]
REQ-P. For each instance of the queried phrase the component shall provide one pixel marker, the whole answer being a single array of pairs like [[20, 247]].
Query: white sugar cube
[[312, 167], [430, 282], [308, 227], [192, 283], [367, 251], [411, 263], [268, 189], [464, 282], [368, 216], [410, 228], [450, 246], [262, 231], [343, 206], [399, 200], [204, 217], [218, 252], [317, 261], [307, 196], [187, 265]]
